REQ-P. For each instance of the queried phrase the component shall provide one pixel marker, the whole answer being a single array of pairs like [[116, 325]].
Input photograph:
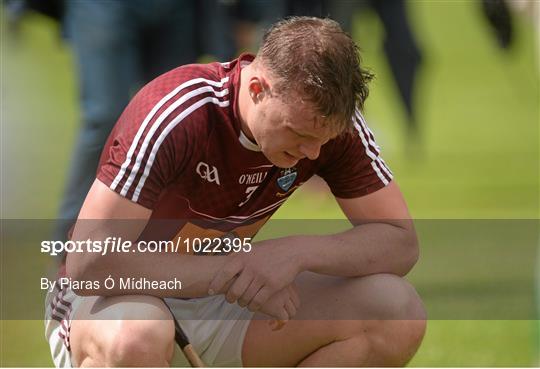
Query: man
[[219, 148]]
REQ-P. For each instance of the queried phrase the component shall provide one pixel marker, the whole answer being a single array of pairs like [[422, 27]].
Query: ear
[[257, 87]]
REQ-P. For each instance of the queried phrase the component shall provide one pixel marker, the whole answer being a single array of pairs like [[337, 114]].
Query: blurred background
[[454, 107]]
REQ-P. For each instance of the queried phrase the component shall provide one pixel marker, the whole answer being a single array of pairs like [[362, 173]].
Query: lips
[[293, 157]]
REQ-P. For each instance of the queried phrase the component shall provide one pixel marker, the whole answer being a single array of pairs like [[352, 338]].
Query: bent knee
[[387, 297], [394, 342], [398, 320], [123, 331], [140, 343]]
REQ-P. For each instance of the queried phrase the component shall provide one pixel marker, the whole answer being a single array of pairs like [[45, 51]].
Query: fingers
[[285, 305], [226, 274], [281, 315], [290, 308], [277, 324], [249, 294], [294, 296], [260, 298], [238, 288]]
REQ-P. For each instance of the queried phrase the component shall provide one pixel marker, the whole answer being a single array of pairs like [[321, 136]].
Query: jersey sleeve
[[355, 167], [148, 147]]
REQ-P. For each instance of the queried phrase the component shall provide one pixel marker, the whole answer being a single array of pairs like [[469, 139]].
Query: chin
[[283, 161], [285, 166]]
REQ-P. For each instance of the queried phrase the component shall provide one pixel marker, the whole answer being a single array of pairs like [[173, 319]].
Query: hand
[[251, 279], [282, 306]]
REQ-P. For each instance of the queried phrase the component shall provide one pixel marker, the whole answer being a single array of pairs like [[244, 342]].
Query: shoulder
[[185, 84], [358, 142], [162, 129], [179, 98], [352, 163], [212, 74]]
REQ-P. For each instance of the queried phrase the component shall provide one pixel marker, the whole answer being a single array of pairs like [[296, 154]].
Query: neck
[[244, 101]]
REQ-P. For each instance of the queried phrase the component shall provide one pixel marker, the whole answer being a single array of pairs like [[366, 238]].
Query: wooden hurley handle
[[192, 356]]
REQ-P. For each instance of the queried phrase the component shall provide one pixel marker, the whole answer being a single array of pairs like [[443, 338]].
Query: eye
[[297, 133]]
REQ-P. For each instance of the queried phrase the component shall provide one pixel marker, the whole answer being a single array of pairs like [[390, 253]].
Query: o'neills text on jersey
[[254, 178]]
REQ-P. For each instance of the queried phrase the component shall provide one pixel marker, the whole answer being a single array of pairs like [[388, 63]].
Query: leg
[[370, 321], [104, 45], [122, 331], [169, 37], [403, 53], [214, 18]]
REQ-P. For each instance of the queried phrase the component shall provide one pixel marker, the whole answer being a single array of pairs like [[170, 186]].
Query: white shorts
[[218, 342]]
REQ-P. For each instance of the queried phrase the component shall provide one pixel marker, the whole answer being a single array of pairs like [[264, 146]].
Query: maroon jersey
[[178, 149]]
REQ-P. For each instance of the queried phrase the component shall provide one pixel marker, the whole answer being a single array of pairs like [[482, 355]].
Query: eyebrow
[[304, 134]]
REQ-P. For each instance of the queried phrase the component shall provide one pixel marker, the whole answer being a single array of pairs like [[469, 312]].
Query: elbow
[[79, 270], [78, 266]]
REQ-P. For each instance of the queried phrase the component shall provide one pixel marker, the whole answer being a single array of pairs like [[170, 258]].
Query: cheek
[[278, 141], [265, 127]]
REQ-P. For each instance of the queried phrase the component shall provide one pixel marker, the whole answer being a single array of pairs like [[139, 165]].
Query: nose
[[310, 150]]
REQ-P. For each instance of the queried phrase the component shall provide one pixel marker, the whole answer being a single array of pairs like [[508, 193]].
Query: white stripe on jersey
[[149, 117], [371, 140], [157, 123], [370, 134], [240, 219], [168, 129], [374, 157], [262, 166]]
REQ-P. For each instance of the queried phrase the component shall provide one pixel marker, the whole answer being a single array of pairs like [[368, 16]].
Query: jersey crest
[[286, 178]]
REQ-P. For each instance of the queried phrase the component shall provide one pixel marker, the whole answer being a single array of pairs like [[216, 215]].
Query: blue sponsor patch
[[287, 178]]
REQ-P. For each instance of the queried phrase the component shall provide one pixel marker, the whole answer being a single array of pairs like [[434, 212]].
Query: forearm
[[363, 250], [194, 272]]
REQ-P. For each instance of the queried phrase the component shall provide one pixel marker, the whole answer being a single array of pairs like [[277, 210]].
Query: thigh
[[98, 321], [332, 309], [214, 327]]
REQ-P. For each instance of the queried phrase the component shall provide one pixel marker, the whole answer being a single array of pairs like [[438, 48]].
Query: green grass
[[478, 108]]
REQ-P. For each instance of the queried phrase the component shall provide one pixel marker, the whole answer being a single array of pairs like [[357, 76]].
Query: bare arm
[[382, 241], [104, 214]]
